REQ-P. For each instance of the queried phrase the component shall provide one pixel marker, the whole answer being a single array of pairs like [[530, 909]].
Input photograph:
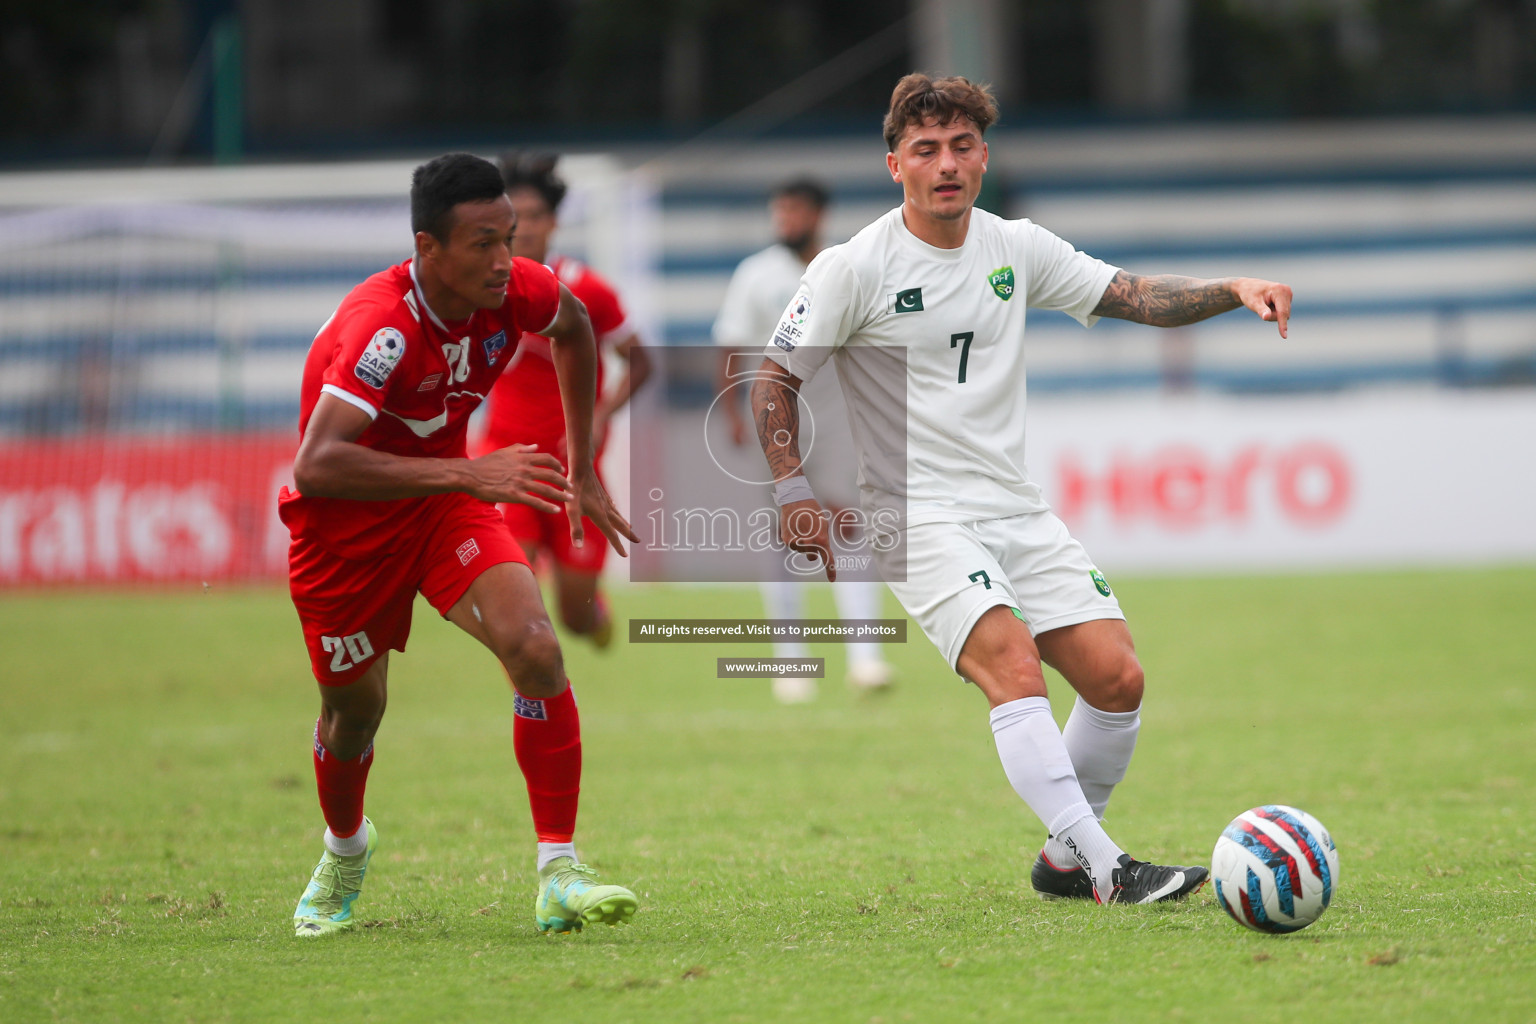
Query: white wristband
[[792, 489]]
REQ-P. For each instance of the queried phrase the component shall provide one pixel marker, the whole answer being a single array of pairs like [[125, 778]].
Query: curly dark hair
[[919, 99]]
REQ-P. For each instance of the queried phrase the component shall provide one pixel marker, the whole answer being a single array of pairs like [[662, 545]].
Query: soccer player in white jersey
[[929, 301], [760, 288]]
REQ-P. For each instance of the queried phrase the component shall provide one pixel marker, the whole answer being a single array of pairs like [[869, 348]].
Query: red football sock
[[341, 785], [546, 736]]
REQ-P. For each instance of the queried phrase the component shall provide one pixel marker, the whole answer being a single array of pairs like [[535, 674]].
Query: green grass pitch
[[845, 861]]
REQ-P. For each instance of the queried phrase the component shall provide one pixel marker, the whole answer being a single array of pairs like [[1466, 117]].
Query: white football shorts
[[955, 572]]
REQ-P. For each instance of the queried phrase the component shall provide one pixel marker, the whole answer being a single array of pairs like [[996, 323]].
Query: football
[[1275, 869]]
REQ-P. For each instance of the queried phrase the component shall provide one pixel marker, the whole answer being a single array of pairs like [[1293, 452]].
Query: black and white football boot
[[1054, 883], [1136, 881]]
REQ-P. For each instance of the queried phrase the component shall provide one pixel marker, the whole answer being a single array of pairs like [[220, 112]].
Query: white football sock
[[351, 846], [1040, 770], [859, 599], [550, 851], [783, 600], [1100, 744], [1089, 846]]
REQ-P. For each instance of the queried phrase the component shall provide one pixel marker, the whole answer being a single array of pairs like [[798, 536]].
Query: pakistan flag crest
[[1001, 281]]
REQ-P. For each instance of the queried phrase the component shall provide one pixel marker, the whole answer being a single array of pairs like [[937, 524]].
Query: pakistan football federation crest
[[1001, 281], [1099, 582]]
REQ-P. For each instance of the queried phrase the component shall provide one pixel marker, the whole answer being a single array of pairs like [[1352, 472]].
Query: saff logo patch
[[379, 359], [468, 551], [792, 324], [493, 346], [799, 308]]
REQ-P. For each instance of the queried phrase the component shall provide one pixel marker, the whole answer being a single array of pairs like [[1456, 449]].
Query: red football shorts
[[352, 611], [551, 532]]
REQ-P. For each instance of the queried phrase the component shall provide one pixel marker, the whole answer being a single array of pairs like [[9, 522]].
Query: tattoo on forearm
[[776, 409], [1165, 300]]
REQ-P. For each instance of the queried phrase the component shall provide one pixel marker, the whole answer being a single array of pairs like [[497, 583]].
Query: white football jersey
[[760, 288], [937, 335]]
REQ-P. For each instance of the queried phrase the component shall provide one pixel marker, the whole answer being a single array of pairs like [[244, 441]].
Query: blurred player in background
[[760, 288], [387, 504], [526, 406], [929, 301]]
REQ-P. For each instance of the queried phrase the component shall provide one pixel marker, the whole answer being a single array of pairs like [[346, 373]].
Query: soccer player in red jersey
[[388, 504], [526, 406]]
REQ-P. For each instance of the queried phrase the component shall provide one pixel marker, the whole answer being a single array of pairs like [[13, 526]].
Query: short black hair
[[809, 189], [439, 185], [535, 171]]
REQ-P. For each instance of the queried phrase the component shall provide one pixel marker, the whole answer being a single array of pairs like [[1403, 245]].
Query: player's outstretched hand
[[591, 500], [1270, 299], [804, 526], [523, 474]]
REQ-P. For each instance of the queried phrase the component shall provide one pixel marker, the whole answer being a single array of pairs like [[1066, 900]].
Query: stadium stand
[[1411, 245], [183, 300], [175, 300]]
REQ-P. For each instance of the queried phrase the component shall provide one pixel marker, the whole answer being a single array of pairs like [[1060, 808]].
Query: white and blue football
[[1275, 869]]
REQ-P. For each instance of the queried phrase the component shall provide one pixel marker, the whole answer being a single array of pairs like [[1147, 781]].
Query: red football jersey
[[385, 352], [526, 406]]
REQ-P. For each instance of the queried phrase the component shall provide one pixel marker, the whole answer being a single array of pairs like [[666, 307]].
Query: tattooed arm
[[1168, 301], [776, 411]]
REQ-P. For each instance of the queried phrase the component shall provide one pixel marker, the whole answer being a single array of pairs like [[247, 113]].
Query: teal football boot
[[326, 906], [570, 897]]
